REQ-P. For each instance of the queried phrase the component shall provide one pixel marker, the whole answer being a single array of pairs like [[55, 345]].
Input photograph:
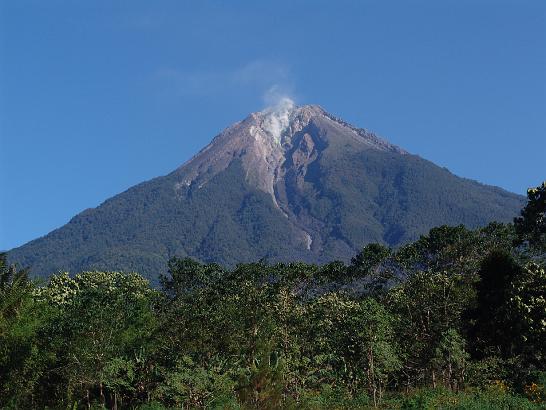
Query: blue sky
[[98, 96]]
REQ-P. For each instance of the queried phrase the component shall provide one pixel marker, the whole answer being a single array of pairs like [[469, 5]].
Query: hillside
[[287, 183]]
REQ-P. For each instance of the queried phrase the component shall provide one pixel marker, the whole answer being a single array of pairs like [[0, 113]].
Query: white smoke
[[277, 113]]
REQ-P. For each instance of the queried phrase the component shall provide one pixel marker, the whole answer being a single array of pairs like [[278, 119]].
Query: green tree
[[527, 304], [353, 341], [492, 329], [14, 286], [369, 258], [187, 274], [20, 319], [450, 359], [99, 334], [531, 225], [427, 305]]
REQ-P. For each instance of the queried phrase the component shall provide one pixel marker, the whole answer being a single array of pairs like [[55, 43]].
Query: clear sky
[[96, 96]]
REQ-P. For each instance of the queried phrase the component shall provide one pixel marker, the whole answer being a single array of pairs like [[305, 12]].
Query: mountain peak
[[288, 182], [284, 115], [266, 141]]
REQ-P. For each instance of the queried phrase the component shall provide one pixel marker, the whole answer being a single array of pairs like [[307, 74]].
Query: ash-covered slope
[[287, 183]]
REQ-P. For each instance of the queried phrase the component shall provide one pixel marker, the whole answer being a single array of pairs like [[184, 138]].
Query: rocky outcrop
[[264, 142]]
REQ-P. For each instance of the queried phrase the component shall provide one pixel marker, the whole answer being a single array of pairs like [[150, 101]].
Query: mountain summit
[[287, 183], [275, 148]]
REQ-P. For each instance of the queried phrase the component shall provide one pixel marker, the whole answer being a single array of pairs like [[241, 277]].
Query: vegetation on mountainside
[[454, 320], [531, 225], [346, 200]]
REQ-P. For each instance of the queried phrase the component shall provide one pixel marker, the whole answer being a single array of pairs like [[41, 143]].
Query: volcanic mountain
[[286, 183]]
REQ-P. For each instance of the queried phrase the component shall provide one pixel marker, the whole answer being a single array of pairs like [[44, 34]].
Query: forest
[[454, 320]]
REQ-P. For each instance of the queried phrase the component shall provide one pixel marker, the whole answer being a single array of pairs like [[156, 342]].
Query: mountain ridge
[[289, 182]]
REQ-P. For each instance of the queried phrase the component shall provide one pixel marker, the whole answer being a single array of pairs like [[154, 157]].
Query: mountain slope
[[283, 184]]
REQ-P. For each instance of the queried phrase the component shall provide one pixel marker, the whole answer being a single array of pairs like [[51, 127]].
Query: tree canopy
[[453, 320]]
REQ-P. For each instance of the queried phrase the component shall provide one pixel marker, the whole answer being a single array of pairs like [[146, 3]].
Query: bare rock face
[[304, 154], [265, 140], [276, 148]]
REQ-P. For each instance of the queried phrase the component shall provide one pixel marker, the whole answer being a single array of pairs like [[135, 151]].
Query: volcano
[[284, 184]]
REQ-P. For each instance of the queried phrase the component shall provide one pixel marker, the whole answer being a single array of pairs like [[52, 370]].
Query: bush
[[495, 397]]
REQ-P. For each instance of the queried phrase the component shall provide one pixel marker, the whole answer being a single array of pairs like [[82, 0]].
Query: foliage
[[490, 398], [453, 320], [527, 304], [349, 197], [14, 287], [450, 359], [531, 225], [491, 318]]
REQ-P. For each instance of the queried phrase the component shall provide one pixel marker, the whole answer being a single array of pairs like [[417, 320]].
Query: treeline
[[455, 320]]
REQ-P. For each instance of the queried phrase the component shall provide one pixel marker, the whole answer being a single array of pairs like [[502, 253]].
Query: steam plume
[[277, 113]]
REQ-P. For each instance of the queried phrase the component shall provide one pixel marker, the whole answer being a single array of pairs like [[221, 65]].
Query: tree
[[454, 250], [492, 323], [351, 341], [378, 350], [450, 358], [14, 285], [186, 275], [531, 225], [368, 258], [428, 304], [20, 318], [527, 303], [99, 334]]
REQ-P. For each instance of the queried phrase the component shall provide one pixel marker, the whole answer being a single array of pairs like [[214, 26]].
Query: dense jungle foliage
[[455, 320]]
